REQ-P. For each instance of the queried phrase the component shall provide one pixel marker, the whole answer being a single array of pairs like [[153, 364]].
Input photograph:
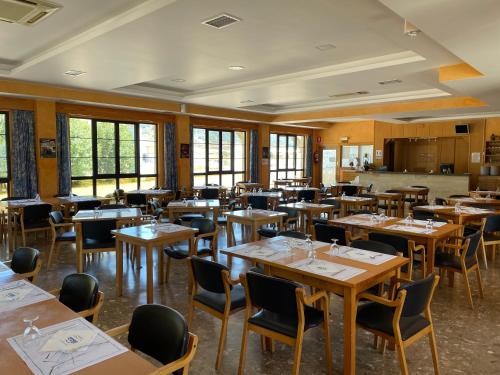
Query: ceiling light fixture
[[411, 30], [325, 47], [236, 67], [179, 80], [74, 73]]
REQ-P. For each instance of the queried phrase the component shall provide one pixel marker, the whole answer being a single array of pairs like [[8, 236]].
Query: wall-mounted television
[[462, 129]]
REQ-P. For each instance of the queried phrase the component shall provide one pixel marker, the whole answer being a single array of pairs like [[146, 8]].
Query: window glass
[[286, 156], [356, 156]]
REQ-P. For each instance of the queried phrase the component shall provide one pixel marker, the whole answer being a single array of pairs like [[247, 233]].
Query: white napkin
[[69, 341]]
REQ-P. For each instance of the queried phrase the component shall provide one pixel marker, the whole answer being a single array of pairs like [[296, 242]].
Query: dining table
[[69, 202], [355, 202], [344, 272], [309, 211], [203, 206], [459, 215], [475, 201]]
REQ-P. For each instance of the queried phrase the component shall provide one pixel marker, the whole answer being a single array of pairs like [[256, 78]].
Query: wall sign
[[379, 154], [47, 148], [185, 150], [265, 152], [475, 157]]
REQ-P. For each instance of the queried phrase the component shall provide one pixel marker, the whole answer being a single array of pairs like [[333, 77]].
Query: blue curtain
[[63, 158], [254, 156], [309, 157], [24, 177], [170, 156]]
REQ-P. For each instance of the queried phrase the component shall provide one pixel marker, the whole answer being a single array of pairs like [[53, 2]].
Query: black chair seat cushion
[[490, 237], [90, 243], [379, 317], [183, 253], [320, 221], [452, 261], [385, 206], [217, 301], [267, 232], [66, 236], [190, 217], [286, 324], [36, 224]]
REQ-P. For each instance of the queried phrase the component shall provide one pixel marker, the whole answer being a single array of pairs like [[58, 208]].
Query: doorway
[[329, 166]]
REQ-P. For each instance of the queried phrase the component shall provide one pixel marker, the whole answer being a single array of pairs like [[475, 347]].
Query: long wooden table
[[71, 201], [350, 289], [464, 215], [52, 312], [353, 201], [308, 211], [198, 205], [430, 240], [475, 201], [149, 237]]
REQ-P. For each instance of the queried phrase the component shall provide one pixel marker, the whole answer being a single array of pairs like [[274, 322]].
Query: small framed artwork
[[47, 148], [265, 152], [184, 150]]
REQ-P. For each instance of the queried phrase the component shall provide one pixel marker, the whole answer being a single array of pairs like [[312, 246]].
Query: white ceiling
[[140, 47]]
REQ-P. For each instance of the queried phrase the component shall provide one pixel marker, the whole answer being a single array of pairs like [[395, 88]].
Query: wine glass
[[31, 331], [37, 197], [409, 220], [96, 211], [374, 218], [334, 248], [310, 247], [249, 207], [302, 201], [184, 201], [430, 224], [457, 207]]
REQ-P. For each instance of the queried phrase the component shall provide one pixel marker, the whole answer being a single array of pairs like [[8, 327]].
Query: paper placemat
[[21, 293], [3, 267], [168, 228], [262, 252], [280, 242], [412, 229], [263, 212], [365, 256], [437, 224], [177, 204], [65, 348], [324, 268]]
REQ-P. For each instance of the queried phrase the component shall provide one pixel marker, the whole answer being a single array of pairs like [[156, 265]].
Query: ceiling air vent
[[347, 94], [262, 107], [412, 119], [221, 21], [26, 12], [390, 82]]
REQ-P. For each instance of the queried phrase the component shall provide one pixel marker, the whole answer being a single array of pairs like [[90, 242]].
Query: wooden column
[[264, 163], [182, 123]]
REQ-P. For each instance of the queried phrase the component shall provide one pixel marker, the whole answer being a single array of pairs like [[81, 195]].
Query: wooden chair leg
[[479, 282], [402, 358], [51, 251], [167, 271], [375, 341], [222, 341], [328, 345], [298, 354], [467, 288], [243, 351], [483, 251], [435, 359], [383, 345]]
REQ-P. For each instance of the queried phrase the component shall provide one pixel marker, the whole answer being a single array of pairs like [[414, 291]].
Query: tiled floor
[[468, 340]]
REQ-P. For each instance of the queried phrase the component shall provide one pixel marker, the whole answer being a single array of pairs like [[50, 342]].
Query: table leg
[[171, 215], [350, 310], [191, 252], [216, 214], [254, 231], [430, 252], [119, 268], [149, 273], [161, 266], [230, 234]]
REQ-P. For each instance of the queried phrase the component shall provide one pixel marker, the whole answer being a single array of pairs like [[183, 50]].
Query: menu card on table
[[325, 268], [21, 293], [365, 256], [65, 348]]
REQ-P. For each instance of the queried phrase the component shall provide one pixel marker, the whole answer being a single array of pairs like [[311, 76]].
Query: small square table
[[347, 201], [308, 211], [197, 205]]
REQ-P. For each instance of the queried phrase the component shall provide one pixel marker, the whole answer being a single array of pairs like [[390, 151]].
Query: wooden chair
[[26, 263], [207, 230], [460, 256], [404, 320], [393, 205], [161, 333], [34, 218], [291, 218], [220, 296], [59, 235], [93, 236], [284, 313], [325, 233], [490, 228], [80, 292]]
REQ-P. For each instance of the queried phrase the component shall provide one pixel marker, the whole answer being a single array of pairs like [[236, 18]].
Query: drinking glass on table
[[31, 331], [249, 207], [334, 248], [457, 207], [96, 211], [310, 247], [430, 224]]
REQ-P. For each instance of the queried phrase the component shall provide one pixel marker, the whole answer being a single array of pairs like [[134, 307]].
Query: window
[[4, 155], [355, 156], [218, 157], [287, 153], [106, 155]]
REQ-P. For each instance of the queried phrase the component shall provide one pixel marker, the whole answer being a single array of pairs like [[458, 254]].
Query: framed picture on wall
[[184, 150], [265, 152], [47, 148]]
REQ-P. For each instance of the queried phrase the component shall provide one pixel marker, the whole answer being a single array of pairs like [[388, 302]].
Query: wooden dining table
[[203, 206], [51, 312], [71, 201], [309, 211], [349, 289], [415, 232], [348, 201], [247, 186], [150, 237], [475, 201], [463, 215], [273, 197]]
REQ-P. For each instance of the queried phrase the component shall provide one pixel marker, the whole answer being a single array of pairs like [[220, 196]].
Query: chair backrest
[[440, 201], [88, 205], [333, 202], [422, 215], [210, 193], [417, 297], [458, 196], [136, 199], [492, 224], [474, 240], [204, 225], [272, 294], [98, 230], [379, 247], [208, 274], [56, 217], [112, 206], [369, 188], [258, 202], [79, 292], [349, 190], [24, 259], [290, 211], [400, 243], [307, 195], [325, 233], [159, 331], [36, 212], [293, 234]]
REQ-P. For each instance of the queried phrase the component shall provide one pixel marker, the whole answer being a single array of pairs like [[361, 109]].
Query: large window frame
[[4, 190], [115, 151], [290, 169], [220, 170]]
